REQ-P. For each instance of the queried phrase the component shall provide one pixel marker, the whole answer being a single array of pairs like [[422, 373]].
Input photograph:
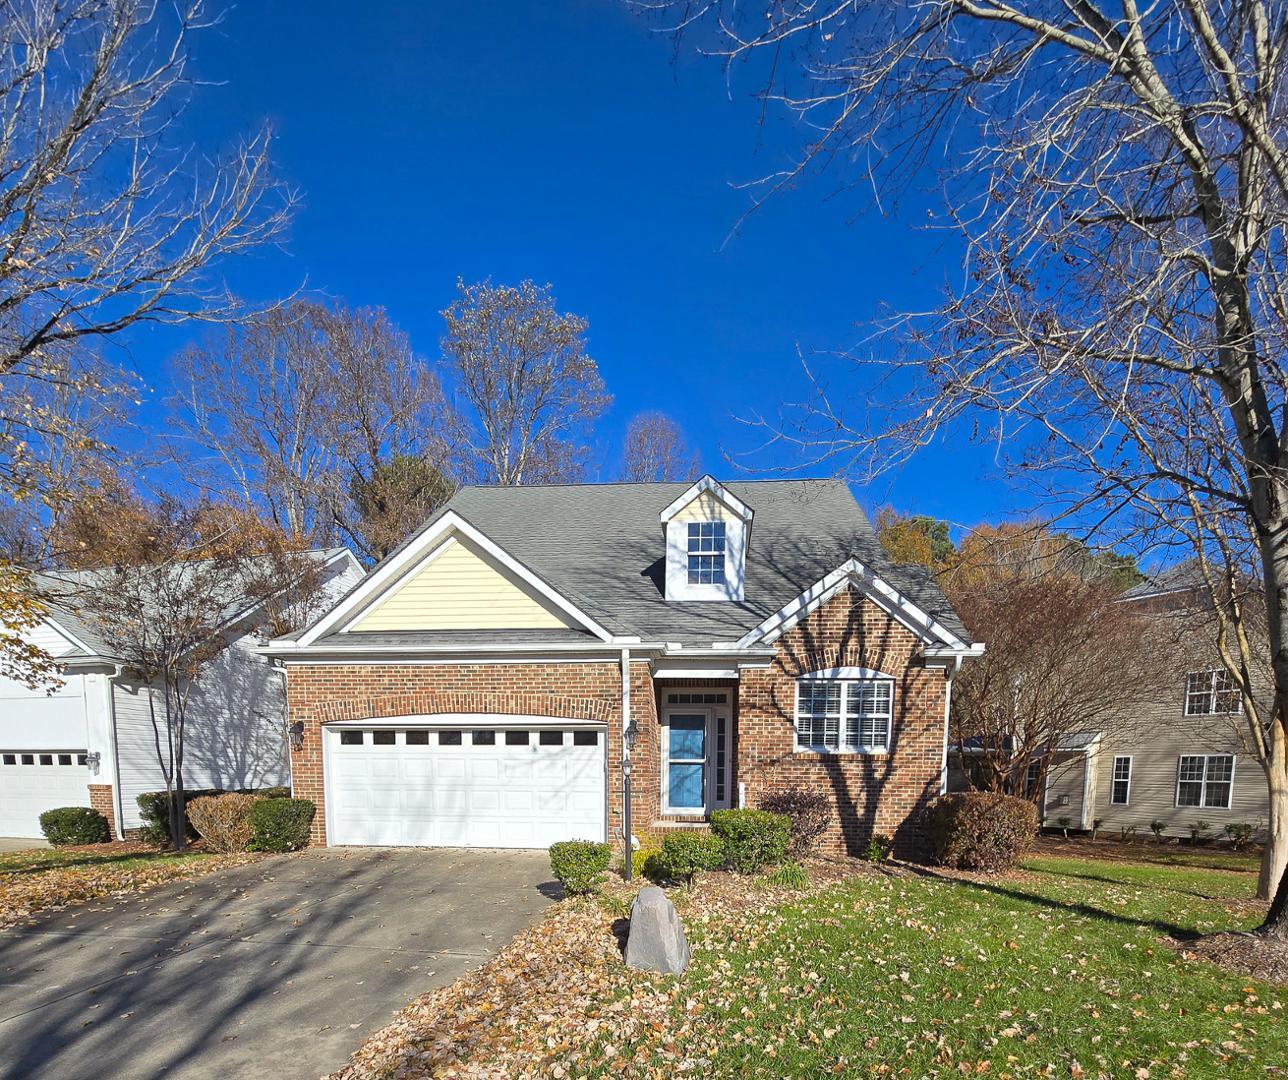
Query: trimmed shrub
[[685, 852], [269, 793], [74, 825], [155, 811], [644, 858], [811, 812], [1240, 834], [280, 824], [980, 830], [752, 838], [223, 821], [579, 865]]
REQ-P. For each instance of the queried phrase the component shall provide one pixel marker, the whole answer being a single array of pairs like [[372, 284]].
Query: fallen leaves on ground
[[558, 998], [33, 887], [1243, 954]]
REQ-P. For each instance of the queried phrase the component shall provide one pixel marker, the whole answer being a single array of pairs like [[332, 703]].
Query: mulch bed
[[1082, 847], [1242, 954]]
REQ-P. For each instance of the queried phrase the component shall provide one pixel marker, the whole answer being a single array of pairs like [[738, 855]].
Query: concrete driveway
[[279, 969]]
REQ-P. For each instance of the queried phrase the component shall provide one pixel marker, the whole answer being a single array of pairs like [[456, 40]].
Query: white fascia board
[[410, 559], [707, 484], [877, 589]]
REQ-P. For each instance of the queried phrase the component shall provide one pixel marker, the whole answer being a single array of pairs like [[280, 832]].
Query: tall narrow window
[[844, 714], [1210, 693], [1120, 790], [1205, 780], [706, 553]]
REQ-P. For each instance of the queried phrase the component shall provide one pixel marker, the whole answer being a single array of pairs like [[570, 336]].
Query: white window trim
[[1203, 803], [717, 586], [1113, 779], [842, 751], [1212, 693]]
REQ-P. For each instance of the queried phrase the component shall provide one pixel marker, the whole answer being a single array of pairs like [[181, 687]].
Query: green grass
[[1058, 971], [38, 860]]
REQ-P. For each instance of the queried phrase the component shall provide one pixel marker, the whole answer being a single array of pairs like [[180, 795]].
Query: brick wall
[[872, 793], [100, 798], [317, 694]]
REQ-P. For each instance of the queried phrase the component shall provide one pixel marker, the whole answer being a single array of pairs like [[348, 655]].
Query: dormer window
[[706, 552], [707, 530]]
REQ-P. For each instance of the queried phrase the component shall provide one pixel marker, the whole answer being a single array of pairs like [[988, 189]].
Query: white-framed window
[[844, 715], [1205, 780], [1120, 788], [706, 552], [1210, 693]]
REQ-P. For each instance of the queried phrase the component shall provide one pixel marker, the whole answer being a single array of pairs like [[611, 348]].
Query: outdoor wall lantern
[[93, 760], [297, 735]]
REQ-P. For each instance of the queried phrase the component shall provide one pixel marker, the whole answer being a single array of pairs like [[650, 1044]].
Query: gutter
[[948, 701], [627, 738]]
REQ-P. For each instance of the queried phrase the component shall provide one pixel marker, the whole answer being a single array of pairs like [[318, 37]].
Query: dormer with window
[[707, 530]]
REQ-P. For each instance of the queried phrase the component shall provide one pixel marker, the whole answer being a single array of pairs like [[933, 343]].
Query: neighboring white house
[[92, 742]]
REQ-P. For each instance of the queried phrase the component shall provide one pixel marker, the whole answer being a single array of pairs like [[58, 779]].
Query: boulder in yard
[[656, 941]]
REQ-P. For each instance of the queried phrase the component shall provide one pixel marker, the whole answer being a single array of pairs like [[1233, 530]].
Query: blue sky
[[565, 142]]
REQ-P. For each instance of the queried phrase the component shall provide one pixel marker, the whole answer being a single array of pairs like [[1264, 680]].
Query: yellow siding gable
[[706, 507], [461, 589]]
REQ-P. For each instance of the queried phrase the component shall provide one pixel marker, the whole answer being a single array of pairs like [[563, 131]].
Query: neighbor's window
[[843, 714], [1120, 789], [1205, 780], [706, 553], [1208, 693]]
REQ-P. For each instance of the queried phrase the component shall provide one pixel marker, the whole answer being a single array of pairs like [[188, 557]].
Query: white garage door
[[33, 781], [520, 787]]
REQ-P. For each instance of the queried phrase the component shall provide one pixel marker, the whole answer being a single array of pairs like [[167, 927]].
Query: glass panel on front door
[[687, 764]]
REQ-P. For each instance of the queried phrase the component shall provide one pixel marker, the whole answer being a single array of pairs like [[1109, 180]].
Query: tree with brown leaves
[[655, 449]]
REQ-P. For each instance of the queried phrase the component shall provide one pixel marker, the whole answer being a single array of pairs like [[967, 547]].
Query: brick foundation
[[100, 798], [872, 793]]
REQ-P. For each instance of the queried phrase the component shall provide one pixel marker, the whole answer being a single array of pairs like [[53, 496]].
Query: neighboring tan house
[[1182, 759], [91, 741], [474, 688]]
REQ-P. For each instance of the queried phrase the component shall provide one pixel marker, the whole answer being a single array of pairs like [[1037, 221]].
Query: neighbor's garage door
[[464, 787], [32, 781]]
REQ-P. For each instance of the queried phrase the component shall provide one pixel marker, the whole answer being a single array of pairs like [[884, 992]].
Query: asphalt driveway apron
[[277, 969]]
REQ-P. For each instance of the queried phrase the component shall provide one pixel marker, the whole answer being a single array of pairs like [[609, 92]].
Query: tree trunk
[[1275, 857]]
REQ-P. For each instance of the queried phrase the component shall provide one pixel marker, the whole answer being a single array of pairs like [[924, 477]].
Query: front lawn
[[42, 879], [1066, 968]]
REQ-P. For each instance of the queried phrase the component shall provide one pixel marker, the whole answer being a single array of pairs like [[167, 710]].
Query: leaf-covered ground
[[1064, 969], [44, 879]]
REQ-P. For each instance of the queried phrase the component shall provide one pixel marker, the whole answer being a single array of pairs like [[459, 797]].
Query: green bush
[[280, 824], [74, 825], [752, 838], [980, 830], [878, 849], [811, 812], [1240, 834], [269, 793], [685, 852], [579, 865], [644, 858]]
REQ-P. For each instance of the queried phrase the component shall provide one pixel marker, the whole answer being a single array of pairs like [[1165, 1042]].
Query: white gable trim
[[708, 484], [881, 592], [423, 549], [68, 636]]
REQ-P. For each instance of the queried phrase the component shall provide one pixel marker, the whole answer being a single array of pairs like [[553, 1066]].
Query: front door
[[695, 762]]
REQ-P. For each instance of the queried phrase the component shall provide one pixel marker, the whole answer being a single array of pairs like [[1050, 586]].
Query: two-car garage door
[[498, 786]]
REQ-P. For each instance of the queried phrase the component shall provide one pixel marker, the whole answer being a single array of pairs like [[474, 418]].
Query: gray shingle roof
[[601, 546]]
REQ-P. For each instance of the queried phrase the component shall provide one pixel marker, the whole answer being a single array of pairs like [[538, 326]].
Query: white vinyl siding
[[844, 715]]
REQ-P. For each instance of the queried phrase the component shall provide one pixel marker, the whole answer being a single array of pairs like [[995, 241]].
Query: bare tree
[[1064, 658], [655, 449], [303, 409], [533, 391], [107, 220], [1119, 182], [167, 612]]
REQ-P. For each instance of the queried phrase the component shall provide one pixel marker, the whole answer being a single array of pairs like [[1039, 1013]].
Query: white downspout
[[948, 697], [626, 761]]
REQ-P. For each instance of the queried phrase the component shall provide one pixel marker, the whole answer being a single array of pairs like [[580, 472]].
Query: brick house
[[535, 663]]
